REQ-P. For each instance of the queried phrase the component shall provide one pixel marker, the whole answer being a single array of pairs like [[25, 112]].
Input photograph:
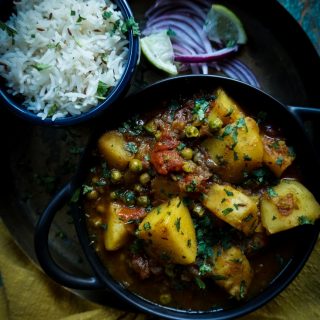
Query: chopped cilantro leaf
[[200, 108], [271, 193], [204, 268], [10, 31], [243, 287], [131, 24], [131, 147], [228, 193], [171, 33], [41, 66], [279, 161], [147, 226], [200, 283], [218, 277], [102, 90], [227, 211], [106, 15], [52, 110], [304, 220], [192, 186], [181, 146], [86, 189], [177, 224], [72, 13], [134, 126], [80, 19], [75, 196]]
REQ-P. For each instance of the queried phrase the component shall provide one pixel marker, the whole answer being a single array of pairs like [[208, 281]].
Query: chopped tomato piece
[[166, 161], [126, 213]]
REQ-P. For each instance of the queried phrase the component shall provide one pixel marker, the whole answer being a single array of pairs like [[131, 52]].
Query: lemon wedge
[[222, 25], [157, 48]]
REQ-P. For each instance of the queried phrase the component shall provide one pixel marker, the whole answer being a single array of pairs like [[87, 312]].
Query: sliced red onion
[[238, 70], [207, 57], [180, 35], [180, 48], [183, 3], [179, 28], [191, 46]]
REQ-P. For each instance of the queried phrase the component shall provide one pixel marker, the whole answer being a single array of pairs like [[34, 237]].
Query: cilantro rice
[[63, 56]]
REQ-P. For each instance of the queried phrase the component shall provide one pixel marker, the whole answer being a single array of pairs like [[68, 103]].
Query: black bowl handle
[[309, 118], [41, 242]]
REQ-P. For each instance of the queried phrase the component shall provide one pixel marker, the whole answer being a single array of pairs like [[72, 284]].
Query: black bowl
[[301, 239], [14, 103]]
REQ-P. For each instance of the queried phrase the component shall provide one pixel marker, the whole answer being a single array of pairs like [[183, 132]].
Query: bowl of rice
[[64, 62]]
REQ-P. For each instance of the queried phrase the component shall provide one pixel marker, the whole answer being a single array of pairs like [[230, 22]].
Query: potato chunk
[[171, 231], [287, 205], [225, 108], [236, 149], [233, 207], [277, 156], [232, 271], [116, 234], [112, 146]]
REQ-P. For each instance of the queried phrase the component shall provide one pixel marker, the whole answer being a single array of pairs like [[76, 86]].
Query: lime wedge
[[223, 26], [157, 48]]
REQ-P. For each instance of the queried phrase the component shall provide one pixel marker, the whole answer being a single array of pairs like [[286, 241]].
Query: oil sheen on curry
[[182, 203]]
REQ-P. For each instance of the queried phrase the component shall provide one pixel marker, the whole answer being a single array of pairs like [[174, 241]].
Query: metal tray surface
[[36, 161]]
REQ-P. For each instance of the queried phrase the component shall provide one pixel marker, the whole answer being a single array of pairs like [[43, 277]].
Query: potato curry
[[180, 202]]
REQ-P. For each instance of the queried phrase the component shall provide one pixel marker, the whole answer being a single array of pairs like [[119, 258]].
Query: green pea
[[165, 298], [116, 176], [187, 153], [144, 178], [188, 167], [113, 195], [157, 134], [143, 201], [215, 124], [135, 165], [150, 127], [191, 132], [92, 195], [138, 188]]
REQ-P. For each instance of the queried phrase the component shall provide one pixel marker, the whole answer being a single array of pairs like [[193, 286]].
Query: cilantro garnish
[[131, 147], [171, 33], [304, 220], [200, 283], [53, 109], [41, 66], [147, 226], [106, 15], [10, 31], [279, 161], [102, 90], [130, 24], [271, 192], [227, 211], [134, 126], [80, 19], [205, 268], [86, 189], [200, 108], [177, 223], [228, 193]]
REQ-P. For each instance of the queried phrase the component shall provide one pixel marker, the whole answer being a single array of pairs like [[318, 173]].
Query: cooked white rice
[[61, 51]]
